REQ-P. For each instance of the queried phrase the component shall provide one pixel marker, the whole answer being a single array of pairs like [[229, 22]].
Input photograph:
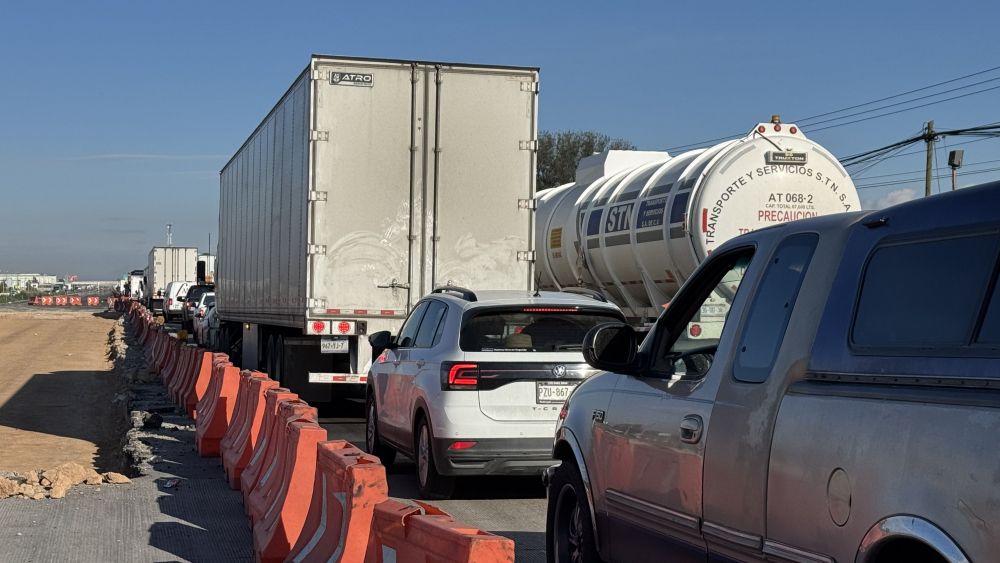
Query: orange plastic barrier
[[258, 462], [201, 377], [183, 374], [216, 409], [241, 441], [75, 300], [279, 528], [349, 484], [401, 534], [269, 483], [171, 360]]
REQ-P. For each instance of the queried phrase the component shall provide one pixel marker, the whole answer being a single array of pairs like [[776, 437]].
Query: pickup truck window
[[699, 321], [927, 293], [772, 307]]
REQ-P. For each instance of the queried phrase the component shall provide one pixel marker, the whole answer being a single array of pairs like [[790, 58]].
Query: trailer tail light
[[462, 445], [777, 127], [317, 327], [695, 330], [761, 129], [459, 376], [793, 130]]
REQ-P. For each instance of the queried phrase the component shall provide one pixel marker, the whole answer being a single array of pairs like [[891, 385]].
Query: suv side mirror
[[611, 347], [380, 341]]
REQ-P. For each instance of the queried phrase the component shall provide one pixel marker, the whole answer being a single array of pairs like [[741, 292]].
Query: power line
[[921, 179], [938, 168], [921, 151], [895, 104], [906, 109], [901, 94], [706, 142]]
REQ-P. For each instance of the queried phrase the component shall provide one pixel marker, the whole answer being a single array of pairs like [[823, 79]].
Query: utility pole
[[929, 139]]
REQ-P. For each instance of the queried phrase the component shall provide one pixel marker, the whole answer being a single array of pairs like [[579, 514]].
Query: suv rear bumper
[[494, 456]]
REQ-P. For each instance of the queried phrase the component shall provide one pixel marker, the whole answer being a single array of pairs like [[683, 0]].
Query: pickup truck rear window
[[926, 294], [531, 329]]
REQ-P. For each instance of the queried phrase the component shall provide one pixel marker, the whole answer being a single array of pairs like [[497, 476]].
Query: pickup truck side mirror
[[381, 341], [611, 347]]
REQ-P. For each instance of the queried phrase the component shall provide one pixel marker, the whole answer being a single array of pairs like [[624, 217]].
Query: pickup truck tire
[[569, 531], [433, 485], [373, 442]]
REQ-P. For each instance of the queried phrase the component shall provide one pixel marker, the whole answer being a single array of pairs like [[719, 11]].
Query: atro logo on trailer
[[352, 79]]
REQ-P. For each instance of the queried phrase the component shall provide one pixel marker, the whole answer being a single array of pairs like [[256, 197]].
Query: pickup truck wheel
[[569, 532], [373, 442], [432, 484]]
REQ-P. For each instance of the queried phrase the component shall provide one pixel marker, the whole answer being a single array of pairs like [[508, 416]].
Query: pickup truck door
[[657, 422]]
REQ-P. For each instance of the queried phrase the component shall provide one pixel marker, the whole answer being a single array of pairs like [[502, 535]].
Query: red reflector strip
[[461, 445], [550, 310], [333, 311], [387, 312], [361, 311], [704, 220]]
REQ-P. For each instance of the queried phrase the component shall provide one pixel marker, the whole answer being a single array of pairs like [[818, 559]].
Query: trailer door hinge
[[319, 75], [317, 249], [316, 303], [529, 86], [528, 145], [525, 255], [530, 204], [315, 135], [317, 196]]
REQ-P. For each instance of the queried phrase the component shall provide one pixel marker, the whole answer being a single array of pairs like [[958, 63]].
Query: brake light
[[462, 445], [550, 310], [170, 302], [564, 410], [460, 376]]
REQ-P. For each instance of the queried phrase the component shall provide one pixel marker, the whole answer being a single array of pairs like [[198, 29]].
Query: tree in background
[[560, 152]]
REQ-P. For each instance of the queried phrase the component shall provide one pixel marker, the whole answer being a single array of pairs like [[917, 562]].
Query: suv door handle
[[691, 428]]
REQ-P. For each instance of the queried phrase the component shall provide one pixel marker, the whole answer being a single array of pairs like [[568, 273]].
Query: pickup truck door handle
[[691, 428]]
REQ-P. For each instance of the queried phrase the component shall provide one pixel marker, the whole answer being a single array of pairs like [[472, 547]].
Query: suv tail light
[[459, 376], [170, 302]]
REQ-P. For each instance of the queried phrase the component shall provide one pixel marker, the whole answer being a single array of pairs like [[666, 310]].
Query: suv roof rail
[[466, 294], [592, 293]]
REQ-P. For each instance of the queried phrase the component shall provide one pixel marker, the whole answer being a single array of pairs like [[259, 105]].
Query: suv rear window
[[531, 329]]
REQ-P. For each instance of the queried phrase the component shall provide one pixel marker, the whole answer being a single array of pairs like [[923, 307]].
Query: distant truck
[[635, 225], [167, 264], [369, 184]]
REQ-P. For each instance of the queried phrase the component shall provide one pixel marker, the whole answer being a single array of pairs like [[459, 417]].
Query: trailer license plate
[[551, 392], [333, 346]]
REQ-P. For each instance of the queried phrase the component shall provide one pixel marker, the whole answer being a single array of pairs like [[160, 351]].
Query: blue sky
[[115, 117]]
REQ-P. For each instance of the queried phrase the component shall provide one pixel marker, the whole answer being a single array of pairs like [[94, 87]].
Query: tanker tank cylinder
[[635, 225]]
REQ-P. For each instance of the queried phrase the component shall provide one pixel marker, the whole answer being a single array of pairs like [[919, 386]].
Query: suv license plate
[[549, 392], [333, 346]]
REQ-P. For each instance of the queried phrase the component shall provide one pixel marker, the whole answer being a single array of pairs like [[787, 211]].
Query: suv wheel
[[569, 525], [433, 485], [373, 443]]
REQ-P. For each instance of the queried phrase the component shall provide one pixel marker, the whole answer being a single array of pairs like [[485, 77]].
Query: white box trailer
[[369, 184], [167, 264]]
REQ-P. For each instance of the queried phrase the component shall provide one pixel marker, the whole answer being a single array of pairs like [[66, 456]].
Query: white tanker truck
[[635, 225]]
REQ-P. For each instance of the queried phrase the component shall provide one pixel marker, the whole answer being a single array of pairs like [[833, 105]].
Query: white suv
[[474, 382]]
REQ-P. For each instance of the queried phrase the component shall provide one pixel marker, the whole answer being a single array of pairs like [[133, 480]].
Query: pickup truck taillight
[[459, 376]]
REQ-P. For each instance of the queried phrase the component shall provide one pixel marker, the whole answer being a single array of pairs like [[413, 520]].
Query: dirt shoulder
[[56, 391]]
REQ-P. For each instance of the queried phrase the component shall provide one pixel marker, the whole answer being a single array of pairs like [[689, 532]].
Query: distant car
[[173, 299], [199, 322], [191, 299], [473, 382], [211, 335]]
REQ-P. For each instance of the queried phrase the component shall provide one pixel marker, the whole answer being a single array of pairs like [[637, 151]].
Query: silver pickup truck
[[849, 411]]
